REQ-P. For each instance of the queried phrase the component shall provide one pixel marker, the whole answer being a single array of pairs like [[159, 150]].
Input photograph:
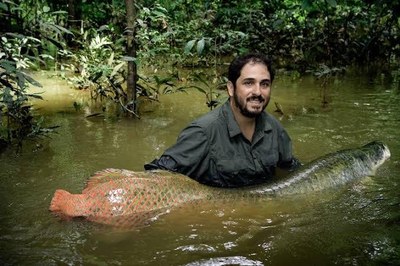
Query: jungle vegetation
[[125, 51]]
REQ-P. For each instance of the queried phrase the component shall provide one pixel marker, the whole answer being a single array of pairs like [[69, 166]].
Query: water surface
[[353, 225]]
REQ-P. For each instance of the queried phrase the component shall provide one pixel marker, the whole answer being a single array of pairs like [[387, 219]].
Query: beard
[[241, 103]]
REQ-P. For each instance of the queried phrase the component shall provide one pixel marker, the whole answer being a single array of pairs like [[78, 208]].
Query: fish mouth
[[386, 152]]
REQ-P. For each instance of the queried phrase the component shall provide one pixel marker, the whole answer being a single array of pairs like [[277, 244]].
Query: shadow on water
[[357, 224]]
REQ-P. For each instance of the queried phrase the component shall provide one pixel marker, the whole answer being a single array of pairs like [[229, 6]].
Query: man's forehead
[[248, 71]]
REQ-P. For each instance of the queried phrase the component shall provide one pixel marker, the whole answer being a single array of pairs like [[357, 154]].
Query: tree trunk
[[131, 52], [74, 20]]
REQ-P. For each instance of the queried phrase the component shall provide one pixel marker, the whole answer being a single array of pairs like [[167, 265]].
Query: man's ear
[[231, 88]]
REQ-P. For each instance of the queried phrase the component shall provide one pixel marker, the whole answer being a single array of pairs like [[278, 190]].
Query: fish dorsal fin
[[107, 175]]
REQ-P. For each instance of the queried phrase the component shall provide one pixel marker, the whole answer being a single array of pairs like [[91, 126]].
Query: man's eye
[[248, 83], [265, 84]]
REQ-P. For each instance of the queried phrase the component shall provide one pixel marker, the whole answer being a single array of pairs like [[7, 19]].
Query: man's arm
[[187, 155], [290, 165], [287, 160]]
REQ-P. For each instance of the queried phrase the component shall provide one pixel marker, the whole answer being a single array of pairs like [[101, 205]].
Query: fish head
[[378, 152]]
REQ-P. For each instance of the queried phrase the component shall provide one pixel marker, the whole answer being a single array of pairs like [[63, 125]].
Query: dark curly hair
[[238, 63]]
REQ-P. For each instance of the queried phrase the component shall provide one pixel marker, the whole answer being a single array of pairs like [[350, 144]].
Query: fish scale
[[125, 198]]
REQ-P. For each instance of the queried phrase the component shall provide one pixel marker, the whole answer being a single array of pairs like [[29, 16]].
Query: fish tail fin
[[66, 203]]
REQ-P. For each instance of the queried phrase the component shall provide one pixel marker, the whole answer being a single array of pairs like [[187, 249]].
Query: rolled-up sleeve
[[187, 155], [286, 159]]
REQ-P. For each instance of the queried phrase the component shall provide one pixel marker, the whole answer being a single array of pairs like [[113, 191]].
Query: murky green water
[[354, 225]]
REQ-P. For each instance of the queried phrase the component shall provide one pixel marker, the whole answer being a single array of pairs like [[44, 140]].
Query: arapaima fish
[[126, 198]]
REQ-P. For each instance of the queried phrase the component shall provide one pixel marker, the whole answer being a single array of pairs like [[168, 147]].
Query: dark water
[[358, 224]]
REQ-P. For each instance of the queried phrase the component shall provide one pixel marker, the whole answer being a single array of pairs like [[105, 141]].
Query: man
[[237, 144]]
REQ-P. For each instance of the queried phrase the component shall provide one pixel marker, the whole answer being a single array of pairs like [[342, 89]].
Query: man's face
[[253, 89]]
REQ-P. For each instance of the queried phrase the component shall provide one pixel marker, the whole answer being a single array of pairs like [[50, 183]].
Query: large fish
[[125, 198]]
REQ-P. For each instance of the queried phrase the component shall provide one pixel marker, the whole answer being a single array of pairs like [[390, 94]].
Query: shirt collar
[[233, 127], [261, 127]]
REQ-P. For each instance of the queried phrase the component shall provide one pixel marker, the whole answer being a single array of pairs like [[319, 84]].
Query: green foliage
[[153, 86], [17, 122], [300, 35], [37, 20], [211, 90], [325, 75], [100, 65], [154, 35]]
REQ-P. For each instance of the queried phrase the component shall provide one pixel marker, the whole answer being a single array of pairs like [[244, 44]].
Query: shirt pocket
[[269, 159], [234, 166]]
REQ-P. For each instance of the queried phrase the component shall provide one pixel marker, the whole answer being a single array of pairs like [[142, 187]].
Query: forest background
[[132, 51]]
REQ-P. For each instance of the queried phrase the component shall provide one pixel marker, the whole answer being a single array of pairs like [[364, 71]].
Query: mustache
[[258, 98]]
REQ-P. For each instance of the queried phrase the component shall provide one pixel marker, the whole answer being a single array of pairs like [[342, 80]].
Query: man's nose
[[257, 89]]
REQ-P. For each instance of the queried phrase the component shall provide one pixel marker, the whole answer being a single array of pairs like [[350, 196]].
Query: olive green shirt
[[213, 150]]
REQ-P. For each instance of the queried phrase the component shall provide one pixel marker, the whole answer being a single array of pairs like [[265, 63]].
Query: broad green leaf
[[110, 59], [51, 27], [199, 89], [332, 3], [9, 66], [59, 12], [140, 22], [33, 39], [163, 9], [3, 6], [36, 96], [63, 29], [10, 2], [103, 28], [117, 68], [306, 4], [182, 89], [189, 46], [200, 46], [16, 35], [20, 80], [31, 80], [199, 78], [55, 42], [158, 14], [167, 90], [128, 58]]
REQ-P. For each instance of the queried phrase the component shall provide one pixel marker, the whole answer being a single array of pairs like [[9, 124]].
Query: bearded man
[[237, 144]]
